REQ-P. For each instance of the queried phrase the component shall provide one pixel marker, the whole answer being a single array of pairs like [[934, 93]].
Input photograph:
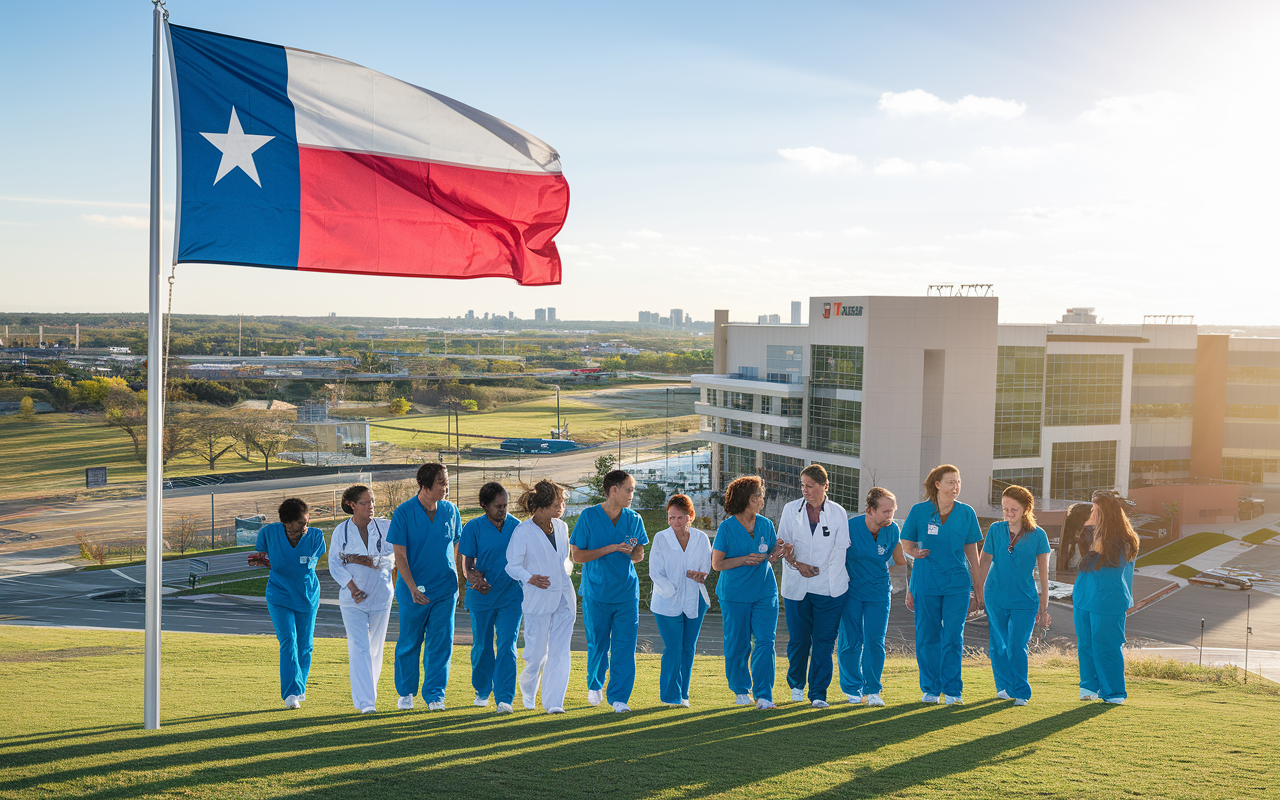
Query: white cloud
[[809, 234], [1152, 106], [898, 166], [984, 235], [1011, 153], [820, 159], [123, 221], [857, 231], [645, 233], [628, 246], [918, 102]]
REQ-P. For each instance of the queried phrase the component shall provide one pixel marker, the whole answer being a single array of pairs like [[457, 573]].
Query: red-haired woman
[[1103, 593], [1014, 547]]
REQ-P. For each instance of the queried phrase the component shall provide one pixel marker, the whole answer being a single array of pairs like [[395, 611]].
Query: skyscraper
[[795, 312], [677, 318], [551, 314], [539, 315]]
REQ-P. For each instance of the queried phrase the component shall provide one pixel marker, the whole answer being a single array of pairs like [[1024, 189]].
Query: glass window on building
[[836, 366], [1083, 389], [1248, 470], [790, 436], [1029, 478], [783, 363], [1162, 410], [734, 463], [843, 487], [766, 404], [835, 426], [792, 407], [1081, 468], [766, 433], [711, 397], [1252, 411], [742, 401], [781, 475], [1019, 401], [736, 427], [1145, 473]]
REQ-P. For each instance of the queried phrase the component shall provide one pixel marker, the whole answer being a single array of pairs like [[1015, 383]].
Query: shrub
[[399, 406]]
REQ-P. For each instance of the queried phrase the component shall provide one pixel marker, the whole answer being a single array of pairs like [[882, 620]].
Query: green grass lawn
[[1183, 571], [76, 731], [1185, 548], [1259, 536]]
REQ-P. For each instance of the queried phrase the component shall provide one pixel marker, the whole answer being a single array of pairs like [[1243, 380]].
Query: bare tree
[[213, 438], [125, 411], [264, 434], [183, 533], [180, 435]]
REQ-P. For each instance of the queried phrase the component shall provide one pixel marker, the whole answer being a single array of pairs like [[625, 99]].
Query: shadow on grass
[[582, 754]]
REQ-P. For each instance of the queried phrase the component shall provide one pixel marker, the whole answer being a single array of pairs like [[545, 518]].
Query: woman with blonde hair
[[942, 535], [1015, 546], [1102, 595]]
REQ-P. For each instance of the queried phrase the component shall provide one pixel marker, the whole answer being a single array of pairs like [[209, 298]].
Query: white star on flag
[[237, 149]]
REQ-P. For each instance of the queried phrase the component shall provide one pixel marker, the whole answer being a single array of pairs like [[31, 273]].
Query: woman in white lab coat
[[679, 563], [538, 559], [360, 560]]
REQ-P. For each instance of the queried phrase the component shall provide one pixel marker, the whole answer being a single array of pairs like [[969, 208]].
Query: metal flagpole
[[155, 405]]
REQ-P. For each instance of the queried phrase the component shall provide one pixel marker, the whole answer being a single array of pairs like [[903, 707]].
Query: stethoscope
[[346, 534]]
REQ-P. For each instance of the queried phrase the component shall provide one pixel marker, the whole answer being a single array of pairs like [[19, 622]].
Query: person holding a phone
[[608, 541]]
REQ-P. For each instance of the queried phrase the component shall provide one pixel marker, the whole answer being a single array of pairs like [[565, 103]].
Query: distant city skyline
[[1113, 155]]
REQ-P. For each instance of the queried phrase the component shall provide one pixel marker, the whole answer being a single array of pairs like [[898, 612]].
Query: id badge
[[826, 531], [303, 559], [933, 529]]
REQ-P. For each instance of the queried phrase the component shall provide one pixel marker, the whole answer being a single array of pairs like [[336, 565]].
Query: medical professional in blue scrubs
[[493, 599], [608, 541], [1102, 595], [814, 583], [424, 534], [942, 535], [679, 562], [874, 544], [291, 550], [1014, 548], [744, 552]]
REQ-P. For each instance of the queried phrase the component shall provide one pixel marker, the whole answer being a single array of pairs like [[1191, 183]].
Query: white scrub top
[[374, 582], [674, 592]]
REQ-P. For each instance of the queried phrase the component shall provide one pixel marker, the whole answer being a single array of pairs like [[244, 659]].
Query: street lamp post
[[559, 434]]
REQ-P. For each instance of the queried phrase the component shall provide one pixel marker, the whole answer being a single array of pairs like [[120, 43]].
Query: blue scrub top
[[1010, 582], [945, 570], [868, 559], [611, 578], [746, 584], [292, 582], [428, 546], [1103, 590], [484, 542]]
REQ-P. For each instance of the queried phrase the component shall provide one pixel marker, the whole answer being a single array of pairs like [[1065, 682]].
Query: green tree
[[399, 406], [652, 496], [604, 465], [27, 408]]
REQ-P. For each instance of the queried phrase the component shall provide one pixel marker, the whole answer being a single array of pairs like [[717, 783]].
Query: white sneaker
[[1003, 695], [481, 702], [763, 704], [556, 710], [292, 702], [797, 695], [594, 696], [405, 703], [854, 699], [1085, 694], [875, 701], [743, 700], [621, 708], [953, 700], [1019, 702], [302, 698], [368, 710], [438, 705], [504, 708], [684, 703], [1116, 701], [929, 698], [820, 704]]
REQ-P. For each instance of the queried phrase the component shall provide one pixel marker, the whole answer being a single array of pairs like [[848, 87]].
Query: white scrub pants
[[366, 635], [546, 655]]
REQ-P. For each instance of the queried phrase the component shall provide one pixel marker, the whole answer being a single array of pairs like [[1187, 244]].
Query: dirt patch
[[8, 536], [65, 654]]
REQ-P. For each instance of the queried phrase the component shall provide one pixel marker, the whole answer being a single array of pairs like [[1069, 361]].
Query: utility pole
[[619, 445], [666, 451], [240, 343]]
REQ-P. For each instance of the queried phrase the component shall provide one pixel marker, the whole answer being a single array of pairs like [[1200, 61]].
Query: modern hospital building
[[881, 389]]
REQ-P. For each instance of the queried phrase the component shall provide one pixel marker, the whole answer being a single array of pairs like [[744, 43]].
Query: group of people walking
[[836, 591]]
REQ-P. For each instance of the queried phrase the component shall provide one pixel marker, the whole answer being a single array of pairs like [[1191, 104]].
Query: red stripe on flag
[[376, 215]]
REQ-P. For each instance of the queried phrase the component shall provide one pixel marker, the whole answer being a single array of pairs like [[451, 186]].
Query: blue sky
[[1119, 155]]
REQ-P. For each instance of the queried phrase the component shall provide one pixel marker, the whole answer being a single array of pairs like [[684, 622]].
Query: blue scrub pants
[[1009, 631], [863, 626], [744, 622], [432, 623], [1099, 638], [612, 632], [940, 641], [679, 645], [295, 631], [495, 629], [812, 625]]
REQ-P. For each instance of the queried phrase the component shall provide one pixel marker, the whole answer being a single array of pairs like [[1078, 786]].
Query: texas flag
[[295, 160]]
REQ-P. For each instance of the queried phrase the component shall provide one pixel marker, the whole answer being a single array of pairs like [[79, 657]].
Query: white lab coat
[[548, 613], [674, 592], [824, 547], [366, 622]]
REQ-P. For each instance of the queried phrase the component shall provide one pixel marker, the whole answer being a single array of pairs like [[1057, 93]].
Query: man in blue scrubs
[[608, 540], [424, 534]]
